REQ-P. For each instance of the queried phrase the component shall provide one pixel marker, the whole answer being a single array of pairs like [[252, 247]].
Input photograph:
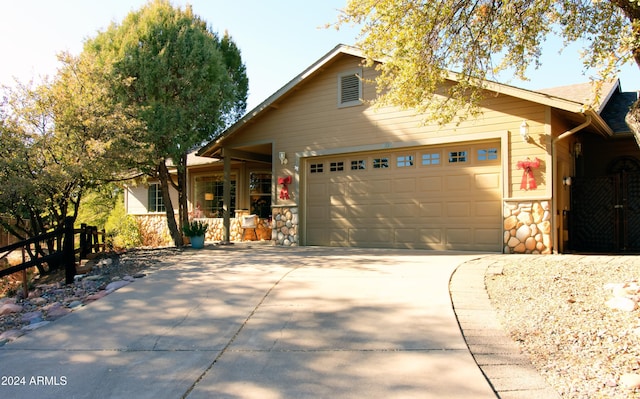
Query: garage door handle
[[618, 206]]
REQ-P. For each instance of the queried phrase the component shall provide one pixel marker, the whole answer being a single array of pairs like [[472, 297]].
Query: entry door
[[605, 213]]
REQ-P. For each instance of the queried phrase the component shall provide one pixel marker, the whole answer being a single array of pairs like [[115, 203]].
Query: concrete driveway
[[260, 322]]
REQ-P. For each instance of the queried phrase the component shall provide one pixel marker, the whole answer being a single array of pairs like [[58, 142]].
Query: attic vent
[[349, 89]]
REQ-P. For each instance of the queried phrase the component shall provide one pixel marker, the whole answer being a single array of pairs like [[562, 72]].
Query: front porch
[[215, 233]]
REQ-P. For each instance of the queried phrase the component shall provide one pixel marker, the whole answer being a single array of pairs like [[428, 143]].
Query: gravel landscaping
[[50, 299], [577, 319]]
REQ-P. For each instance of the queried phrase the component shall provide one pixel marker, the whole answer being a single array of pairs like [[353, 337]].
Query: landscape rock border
[[49, 302]]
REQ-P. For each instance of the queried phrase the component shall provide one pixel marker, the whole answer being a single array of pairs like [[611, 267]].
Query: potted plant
[[196, 230]]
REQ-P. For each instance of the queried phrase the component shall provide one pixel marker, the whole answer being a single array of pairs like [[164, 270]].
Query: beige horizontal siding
[[309, 119]]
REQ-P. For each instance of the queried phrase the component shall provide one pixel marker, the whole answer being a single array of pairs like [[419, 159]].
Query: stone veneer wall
[[285, 226], [154, 230], [527, 227], [215, 232]]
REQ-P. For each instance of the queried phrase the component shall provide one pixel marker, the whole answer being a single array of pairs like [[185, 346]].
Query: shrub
[[195, 228], [122, 229]]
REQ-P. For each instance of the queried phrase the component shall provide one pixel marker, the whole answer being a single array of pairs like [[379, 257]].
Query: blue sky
[[278, 39]]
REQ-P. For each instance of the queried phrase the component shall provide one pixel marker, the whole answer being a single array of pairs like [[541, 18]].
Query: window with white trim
[[350, 88], [155, 200], [316, 168]]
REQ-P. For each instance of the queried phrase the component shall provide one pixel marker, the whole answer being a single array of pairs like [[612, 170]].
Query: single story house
[[536, 172]]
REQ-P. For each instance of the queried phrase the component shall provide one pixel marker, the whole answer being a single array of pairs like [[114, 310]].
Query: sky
[[278, 39]]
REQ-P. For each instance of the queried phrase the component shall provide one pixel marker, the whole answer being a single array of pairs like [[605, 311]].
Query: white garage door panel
[[442, 206]]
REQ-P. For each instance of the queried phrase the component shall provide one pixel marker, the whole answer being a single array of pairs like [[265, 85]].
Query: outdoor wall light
[[524, 131], [283, 158], [577, 149]]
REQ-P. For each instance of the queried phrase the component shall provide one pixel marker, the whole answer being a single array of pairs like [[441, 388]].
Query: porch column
[[226, 198]]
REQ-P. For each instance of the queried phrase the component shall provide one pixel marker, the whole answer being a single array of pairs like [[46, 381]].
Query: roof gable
[[567, 98], [331, 56], [616, 109]]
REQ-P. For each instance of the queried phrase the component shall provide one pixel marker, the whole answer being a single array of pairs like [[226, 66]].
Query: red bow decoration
[[284, 191], [528, 181]]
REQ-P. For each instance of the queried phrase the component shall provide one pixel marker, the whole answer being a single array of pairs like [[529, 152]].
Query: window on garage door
[[405, 160], [487, 154]]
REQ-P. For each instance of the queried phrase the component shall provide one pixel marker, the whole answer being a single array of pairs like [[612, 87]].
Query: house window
[[360, 164], [488, 154], [404, 161], [260, 194], [457, 156], [316, 168], [350, 88], [209, 191], [380, 163], [156, 202], [431, 159], [336, 166]]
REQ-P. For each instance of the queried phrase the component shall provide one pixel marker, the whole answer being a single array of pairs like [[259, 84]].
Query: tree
[[420, 41], [179, 80], [42, 182], [59, 139]]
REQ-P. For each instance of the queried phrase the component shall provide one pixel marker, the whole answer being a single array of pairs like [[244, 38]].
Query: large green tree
[[179, 80], [59, 139], [421, 41]]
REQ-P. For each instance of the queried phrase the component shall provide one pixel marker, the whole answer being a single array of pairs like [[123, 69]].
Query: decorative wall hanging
[[284, 191], [528, 180]]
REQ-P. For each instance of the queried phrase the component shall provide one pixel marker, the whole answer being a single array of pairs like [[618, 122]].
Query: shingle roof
[[583, 93], [613, 104], [616, 109]]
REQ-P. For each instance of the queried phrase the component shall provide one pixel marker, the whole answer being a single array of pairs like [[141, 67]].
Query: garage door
[[441, 198]]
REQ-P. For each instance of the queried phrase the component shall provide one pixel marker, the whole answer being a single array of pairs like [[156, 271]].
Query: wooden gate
[[605, 213]]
